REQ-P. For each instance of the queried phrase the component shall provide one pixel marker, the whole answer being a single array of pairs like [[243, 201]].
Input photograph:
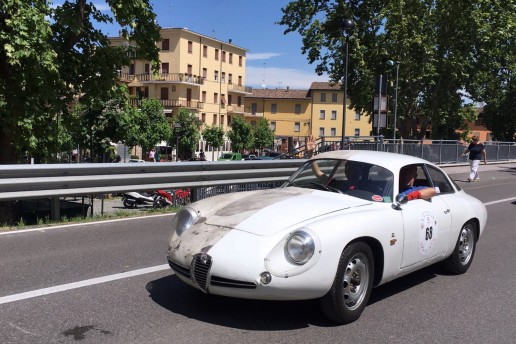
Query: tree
[[188, 134], [214, 136], [51, 56], [442, 47], [153, 124], [240, 134], [262, 134]]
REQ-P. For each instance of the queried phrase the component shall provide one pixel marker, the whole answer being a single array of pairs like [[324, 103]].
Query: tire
[[159, 202], [464, 251], [350, 292], [129, 203]]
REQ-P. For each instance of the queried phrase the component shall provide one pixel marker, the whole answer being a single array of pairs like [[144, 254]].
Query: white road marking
[[500, 201], [80, 284], [43, 229]]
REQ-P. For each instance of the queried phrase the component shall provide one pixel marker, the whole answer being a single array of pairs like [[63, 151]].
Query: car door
[[426, 224]]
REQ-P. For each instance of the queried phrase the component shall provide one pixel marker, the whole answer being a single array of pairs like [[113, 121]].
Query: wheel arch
[[378, 256], [476, 224]]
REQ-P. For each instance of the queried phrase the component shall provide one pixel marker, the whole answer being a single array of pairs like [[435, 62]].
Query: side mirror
[[401, 199]]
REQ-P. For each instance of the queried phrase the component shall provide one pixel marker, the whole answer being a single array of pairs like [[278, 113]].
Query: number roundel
[[428, 232]]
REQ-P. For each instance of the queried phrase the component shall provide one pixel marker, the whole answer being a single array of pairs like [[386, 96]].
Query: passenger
[[408, 175]]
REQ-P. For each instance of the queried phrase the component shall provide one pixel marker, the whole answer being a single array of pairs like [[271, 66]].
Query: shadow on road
[[172, 294]]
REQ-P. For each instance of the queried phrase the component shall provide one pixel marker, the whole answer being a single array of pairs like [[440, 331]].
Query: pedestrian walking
[[476, 152]]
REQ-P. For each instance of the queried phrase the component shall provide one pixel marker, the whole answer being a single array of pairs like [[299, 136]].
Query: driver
[[408, 175]]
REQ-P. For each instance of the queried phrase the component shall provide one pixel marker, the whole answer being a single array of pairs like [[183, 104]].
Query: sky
[[274, 60]]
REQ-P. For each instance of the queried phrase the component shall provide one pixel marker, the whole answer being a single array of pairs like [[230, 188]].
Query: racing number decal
[[428, 233]]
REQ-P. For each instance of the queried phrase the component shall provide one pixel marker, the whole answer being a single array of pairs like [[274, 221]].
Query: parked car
[[136, 160], [333, 241], [230, 157]]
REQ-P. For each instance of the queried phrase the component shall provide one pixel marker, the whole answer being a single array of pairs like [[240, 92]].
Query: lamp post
[[177, 126], [392, 63], [347, 25]]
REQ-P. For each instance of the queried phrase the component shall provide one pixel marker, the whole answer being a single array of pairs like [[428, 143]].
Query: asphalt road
[[109, 283]]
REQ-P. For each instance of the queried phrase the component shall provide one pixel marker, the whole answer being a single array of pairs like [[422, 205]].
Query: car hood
[[268, 211]]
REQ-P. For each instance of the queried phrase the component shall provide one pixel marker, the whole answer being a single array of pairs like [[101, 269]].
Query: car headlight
[[300, 247], [185, 219]]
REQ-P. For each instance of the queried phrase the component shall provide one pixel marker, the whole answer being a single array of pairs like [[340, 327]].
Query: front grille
[[179, 269], [230, 283], [200, 270]]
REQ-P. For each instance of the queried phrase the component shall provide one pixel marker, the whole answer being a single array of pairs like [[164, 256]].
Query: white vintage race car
[[335, 230]]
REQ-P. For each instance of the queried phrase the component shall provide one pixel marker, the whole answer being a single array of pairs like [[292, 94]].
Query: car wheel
[[352, 286], [462, 256], [129, 203]]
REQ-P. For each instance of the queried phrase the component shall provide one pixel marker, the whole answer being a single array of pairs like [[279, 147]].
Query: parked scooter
[[132, 199]]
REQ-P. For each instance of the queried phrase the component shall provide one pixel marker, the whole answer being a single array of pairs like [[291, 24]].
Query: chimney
[[230, 41], [288, 88]]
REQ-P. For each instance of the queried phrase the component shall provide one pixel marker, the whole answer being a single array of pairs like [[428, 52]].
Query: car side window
[[439, 180]]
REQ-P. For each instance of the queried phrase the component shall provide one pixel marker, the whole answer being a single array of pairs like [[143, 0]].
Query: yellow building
[[197, 72], [296, 114]]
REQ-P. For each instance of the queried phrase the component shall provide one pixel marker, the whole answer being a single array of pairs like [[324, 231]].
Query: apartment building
[[296, 114], [197, 72]]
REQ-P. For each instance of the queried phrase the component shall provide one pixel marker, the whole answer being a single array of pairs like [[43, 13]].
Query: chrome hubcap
[[356, 280], [466, 245]]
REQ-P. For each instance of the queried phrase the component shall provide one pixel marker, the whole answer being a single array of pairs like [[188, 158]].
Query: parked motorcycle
[[132, 199]]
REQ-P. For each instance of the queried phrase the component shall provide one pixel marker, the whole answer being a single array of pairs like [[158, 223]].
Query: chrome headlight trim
[[186, 218], [300, 247]]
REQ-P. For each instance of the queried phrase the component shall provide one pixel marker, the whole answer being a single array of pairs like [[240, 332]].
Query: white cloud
[[273, 77], [261, 56]]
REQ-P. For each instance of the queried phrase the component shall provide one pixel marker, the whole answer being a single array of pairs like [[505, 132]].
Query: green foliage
[[153, 125], [188, 134], [214, 136], [446, 49], [240, 134], [51, 56], [262, 134]]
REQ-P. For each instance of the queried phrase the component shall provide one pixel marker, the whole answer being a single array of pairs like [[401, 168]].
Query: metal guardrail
[[19, 182]]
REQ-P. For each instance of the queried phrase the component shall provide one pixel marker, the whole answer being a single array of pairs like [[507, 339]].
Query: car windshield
[[227, 156], [358, 179]]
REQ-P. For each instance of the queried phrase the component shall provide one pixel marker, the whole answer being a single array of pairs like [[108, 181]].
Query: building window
[[323, 97], [357, 132], [333, 114], [229, 120], [217, 54], [164, 68], [205, 73], [189, 69], [203, 96], [223, 79], [357, 115], [205, 51], [147, 68], [215, 98], [333, 131], [321, 132], [334, 97], [165, 44], [222, 120], [240, 61], [230, 99], [273, 126], [223, 56], [131, 69], [230, 78], [297, 127], [203, 118], [214, 120], [216, 75], [190, 47], [239, 80], [164, 93], [322, 114], [230, 58], [273, 108], [239, 101], [254, 107], [297, 109]]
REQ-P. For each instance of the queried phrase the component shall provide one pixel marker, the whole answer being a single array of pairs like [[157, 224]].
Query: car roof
[[391, 161]]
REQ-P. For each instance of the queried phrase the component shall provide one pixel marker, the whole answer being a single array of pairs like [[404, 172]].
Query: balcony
[[125, 77], [240, 89], [236, 109], [174, 78], [172, 103]]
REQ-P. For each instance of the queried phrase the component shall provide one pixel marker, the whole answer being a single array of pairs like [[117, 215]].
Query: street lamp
[[392, 63], [177, 126], [347, 25]]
